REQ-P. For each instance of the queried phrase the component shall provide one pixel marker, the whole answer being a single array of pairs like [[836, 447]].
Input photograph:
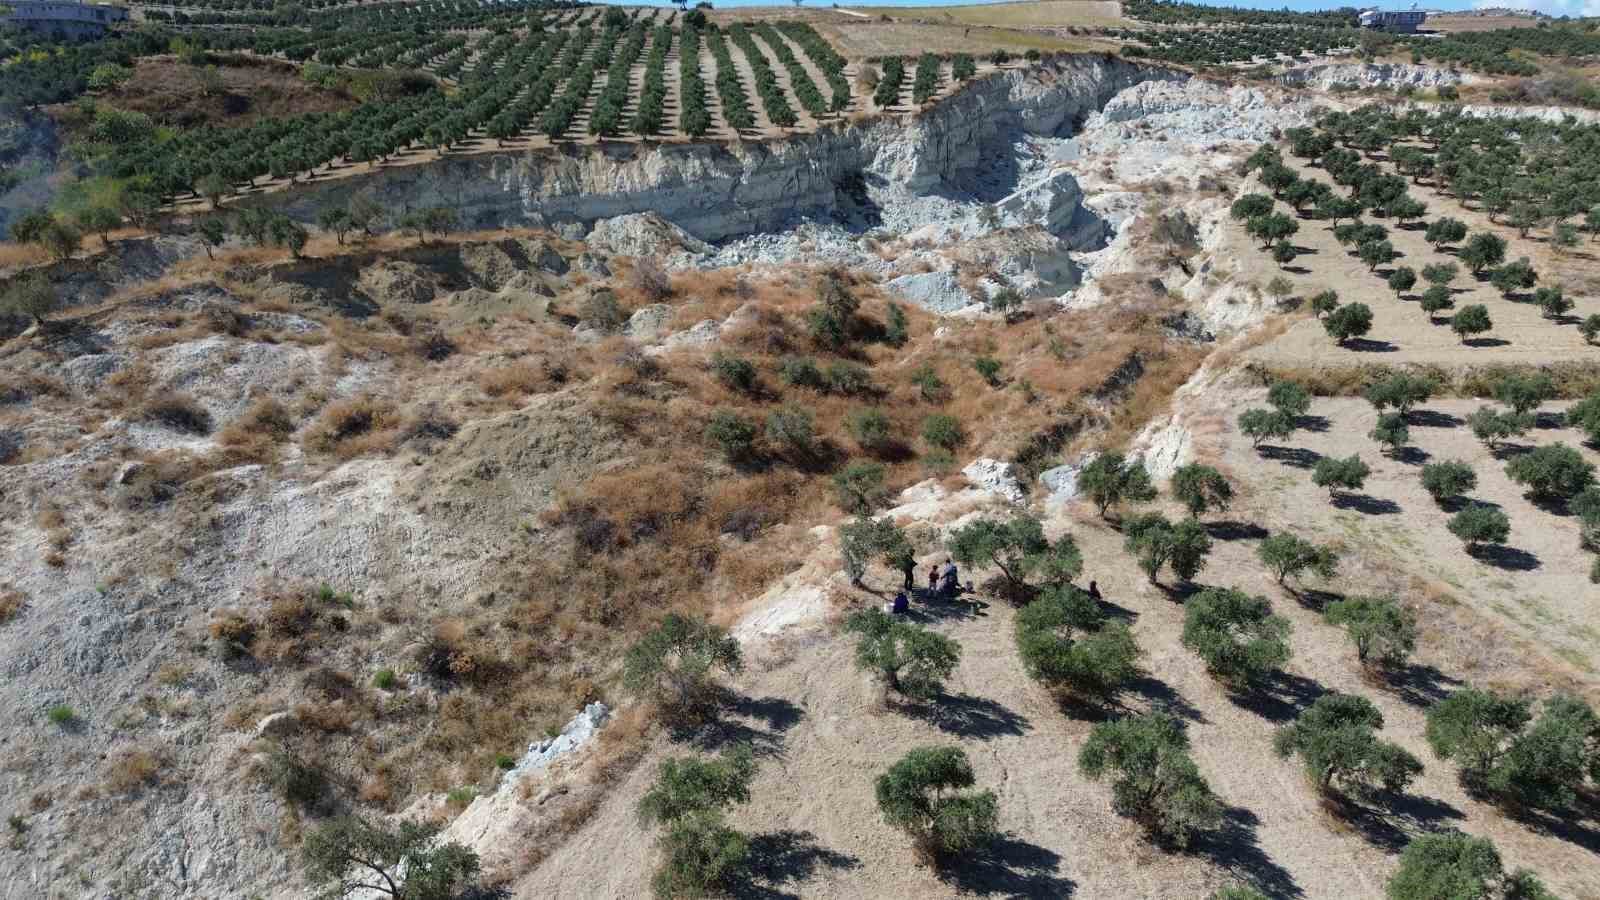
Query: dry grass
[[177, 412], [20, 255], [131, 769], [355, 427], [258, 432], [11, 605]]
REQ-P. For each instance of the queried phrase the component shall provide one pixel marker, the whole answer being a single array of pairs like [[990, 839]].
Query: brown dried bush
[[11, 604], [350, 428], [130, 770]]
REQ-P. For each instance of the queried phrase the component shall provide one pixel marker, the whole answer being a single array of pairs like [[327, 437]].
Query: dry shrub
[[23, 387], [125, 388], [158, 478], [289, 616], [11, 604], [329, 716], [350, 428], [130, 770], [257, 431], [650, 280], [520, 378], [179, 412], [233, 630]]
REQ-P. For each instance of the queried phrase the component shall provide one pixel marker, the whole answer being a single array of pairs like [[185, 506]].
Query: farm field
[[1034, 14]]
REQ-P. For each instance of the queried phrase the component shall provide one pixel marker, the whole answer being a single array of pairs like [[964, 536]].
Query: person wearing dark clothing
[[1094, 590], [909, 566], [900, 604], [933, 578], [949, 585]]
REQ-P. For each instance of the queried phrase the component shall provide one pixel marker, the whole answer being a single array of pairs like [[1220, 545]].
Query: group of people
[[943, 581]]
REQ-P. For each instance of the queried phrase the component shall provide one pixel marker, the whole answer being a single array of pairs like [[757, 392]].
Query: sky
[[1552, 7]]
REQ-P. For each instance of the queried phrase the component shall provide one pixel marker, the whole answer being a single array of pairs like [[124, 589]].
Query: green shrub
[[62, 714], [913, 661], [1289, 398], [1238, 637], [385, 680], [848, 379], [1471, 320], [735, 373], [859, 486], [930, 386], [1351, 320], [1383, 631], [505, 762], [944, 432], [1402, 391], [870, 428], [925, 795], [1524, 393], [791, 428], [733, 434], [1156, 783], [1336, 738], [989, 368], [800, 371], [1391, 431], [1492, 426]]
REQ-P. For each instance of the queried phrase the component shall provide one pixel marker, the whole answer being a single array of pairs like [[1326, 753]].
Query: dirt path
[[1401, 331]]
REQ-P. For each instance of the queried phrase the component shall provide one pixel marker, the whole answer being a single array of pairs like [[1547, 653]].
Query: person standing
[[908, 565]]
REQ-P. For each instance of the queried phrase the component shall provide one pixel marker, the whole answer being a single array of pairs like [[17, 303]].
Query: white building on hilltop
[[1404, 21], [62, 18]]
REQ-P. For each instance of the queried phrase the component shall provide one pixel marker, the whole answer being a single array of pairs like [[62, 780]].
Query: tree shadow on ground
[[1402, 817], [1281, 698], [1432, 418], [1548, 420], [1420, 685], [1113, 611], [1411, 456], [780, 859], [1010, 868], [1299, 457], [1232, 530], [1365, 504], [1180, 591], [1368, 345], [1314, 599], [1575, 826], [1163, 696], [968, 716], [1503, 557], [1555, 506], [1504, 450], [1236, 848], [760, 722], [1317, 424], [1458, 503], [931, 606], [1486, 342], [484, 892]]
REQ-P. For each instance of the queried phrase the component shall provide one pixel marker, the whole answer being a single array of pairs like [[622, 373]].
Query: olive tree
[[1448, 480], [1473, 728], [1348, 474], [1403, 391], [1351, 320], [1289, 398], [1200, 487], [1492, 426], [31, 296], [1336, 738], [1066, 643], [1392, 432], [1524, 393], [913, 661], [1154, 780], [1238, 637], [1111, 479], [1470, 321], [1552, 472], [700, 853], [1449, 865], [1383, 631], [673, 664], [926, 795], [1017, 548], [1287, 555], [1261, 424], [350, 854], [1480, 524], [1157, 543]]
